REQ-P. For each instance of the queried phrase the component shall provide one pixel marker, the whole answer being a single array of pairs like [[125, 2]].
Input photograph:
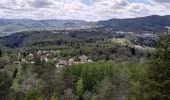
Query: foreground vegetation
[[119, 71]]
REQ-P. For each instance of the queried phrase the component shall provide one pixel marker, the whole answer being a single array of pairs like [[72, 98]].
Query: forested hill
[[38, 23], [149, 23], [8, 26], [152, 23]]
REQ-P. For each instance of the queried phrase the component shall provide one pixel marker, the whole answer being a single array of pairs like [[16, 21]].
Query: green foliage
[[159, 71], [105, 90], [25, 80], [150, 23], [122, 42], [68, 95], [33, 95], [135, 76], [93, 73], [16, 81], [117, 72], [5, 82], [54, 97], [0, 53], [79, 87]]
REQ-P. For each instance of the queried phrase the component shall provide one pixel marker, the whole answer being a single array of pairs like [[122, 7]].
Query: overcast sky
[[89, 10]]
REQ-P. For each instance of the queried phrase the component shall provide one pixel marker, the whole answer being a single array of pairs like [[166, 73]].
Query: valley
[[118, 59]]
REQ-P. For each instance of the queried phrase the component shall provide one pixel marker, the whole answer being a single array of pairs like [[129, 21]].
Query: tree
[[25, 81], [79, 87], [5, 83], [33, 95], [52, 80], [55, 97], [159, 70], [0, 53], [105, 90], [68, 95], [3, 63], [133, 51]]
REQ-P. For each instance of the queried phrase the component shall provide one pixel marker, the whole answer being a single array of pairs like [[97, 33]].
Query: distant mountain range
[[149, 23], [38, 23], [141, 24], [8, 26]]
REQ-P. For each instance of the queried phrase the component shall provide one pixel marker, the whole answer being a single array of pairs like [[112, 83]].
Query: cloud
[[40, 3], [108, 3], [137, 9], [76, 9], [162, 1]]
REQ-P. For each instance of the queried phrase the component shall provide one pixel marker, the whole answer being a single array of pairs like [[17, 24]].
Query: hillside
[[8, 26], [51, 38], [149, 23], [152, 23]]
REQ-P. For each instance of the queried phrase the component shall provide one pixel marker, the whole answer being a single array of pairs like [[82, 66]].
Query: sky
[[88, 10]]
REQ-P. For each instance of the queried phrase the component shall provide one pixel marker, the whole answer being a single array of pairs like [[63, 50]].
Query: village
[[48, 56]]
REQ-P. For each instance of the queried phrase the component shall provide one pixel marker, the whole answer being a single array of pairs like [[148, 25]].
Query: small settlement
[[48, 56]]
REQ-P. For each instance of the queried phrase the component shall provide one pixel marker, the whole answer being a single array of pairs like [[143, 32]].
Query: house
[[62, 63], [58, 51], [47, 55], [32, 62], [71, 61], [52, 51], [19, 55], [46, 59], [83, 58], [23, 60], [79, 62], [44, 52], [39, 52], [30, 56], [90, 61], [54, 59], [17, 62]]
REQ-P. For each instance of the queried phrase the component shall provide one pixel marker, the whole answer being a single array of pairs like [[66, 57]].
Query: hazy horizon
[[87, 10], [77, 19]]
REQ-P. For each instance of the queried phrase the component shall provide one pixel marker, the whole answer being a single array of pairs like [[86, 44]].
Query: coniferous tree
[[159, 70], [79, 87], [0, 53]]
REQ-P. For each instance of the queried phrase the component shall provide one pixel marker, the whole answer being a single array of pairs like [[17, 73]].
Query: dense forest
[[141, 24], [84, 65], [148, 23]]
